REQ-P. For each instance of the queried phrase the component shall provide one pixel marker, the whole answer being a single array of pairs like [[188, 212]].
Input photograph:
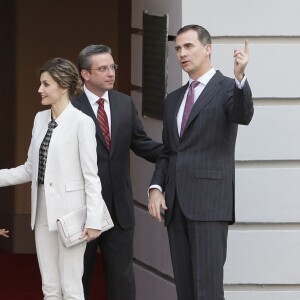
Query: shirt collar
[[63, 113], [94, 98], [205, 78]]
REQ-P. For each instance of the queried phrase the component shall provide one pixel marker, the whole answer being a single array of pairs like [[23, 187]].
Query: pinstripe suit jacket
[[113, 167], [199, 165]]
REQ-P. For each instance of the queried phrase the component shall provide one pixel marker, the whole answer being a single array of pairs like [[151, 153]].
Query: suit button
[[108, 183], [179, 153], [50, 184]]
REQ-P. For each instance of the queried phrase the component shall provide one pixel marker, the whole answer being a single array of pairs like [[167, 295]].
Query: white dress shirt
[[93, 101]]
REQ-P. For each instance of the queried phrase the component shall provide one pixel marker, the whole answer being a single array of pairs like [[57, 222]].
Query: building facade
[[264, 245]]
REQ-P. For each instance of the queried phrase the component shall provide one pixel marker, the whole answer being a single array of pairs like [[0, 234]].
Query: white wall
[[244, 18], [153, 268], [263, 259]]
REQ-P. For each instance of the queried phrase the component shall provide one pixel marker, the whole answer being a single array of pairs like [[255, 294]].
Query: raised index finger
[[246, 48]]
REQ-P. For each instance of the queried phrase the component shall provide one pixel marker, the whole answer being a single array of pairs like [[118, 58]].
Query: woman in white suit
[[62, 166]]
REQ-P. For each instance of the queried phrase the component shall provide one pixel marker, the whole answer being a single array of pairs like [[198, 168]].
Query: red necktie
[[103, 122]]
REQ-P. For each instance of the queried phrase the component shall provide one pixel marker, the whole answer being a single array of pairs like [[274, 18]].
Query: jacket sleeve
[[240, 105], [88, 161], [161, 167], [22, 173], [141, 144]]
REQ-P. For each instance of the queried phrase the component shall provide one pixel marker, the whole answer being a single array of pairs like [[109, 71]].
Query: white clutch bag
[[71, 225]]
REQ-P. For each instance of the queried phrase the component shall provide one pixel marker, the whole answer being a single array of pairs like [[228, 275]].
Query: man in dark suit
[[196, 168], [118, 129]]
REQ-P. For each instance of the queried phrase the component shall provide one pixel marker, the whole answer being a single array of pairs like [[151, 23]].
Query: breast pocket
[[74, 197], [74, 186]]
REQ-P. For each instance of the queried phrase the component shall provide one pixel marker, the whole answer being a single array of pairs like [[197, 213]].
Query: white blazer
[[71, 179]]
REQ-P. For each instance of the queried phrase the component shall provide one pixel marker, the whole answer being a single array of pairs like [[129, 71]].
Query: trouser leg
[[117, 253]]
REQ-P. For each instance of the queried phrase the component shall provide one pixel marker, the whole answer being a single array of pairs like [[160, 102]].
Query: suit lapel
[[43, 127], [177, 106], [114, 117], [63, 122], [205, 97], [86, 108]]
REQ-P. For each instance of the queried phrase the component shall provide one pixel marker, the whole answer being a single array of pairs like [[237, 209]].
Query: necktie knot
[[101, 102], [194, 84], [52, 124]]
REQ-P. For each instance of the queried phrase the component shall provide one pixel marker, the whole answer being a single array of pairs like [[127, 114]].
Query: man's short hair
[[203, 35], [85, 54]]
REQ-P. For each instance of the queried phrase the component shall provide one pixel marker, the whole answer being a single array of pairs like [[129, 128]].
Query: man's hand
[[92, 234], [4, 233], [155, 202], [241, 58]]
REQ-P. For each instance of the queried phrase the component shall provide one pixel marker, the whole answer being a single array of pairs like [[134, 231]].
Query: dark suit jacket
[[113, 167], [199, 166]]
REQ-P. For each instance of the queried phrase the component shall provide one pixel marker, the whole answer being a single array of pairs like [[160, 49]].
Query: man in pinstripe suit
[[196, 168]]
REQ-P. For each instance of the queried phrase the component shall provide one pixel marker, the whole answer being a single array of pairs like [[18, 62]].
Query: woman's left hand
[[92, 234], [4, 233]]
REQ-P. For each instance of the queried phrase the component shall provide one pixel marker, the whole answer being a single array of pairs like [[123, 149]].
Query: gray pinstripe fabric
[[199, 166], [198, 251], [198, 170]]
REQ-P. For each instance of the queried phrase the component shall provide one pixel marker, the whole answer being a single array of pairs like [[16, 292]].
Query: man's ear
[[85, 74], [208, 49]]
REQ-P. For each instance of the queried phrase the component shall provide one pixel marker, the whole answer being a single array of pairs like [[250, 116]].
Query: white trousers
[[61, 268]]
